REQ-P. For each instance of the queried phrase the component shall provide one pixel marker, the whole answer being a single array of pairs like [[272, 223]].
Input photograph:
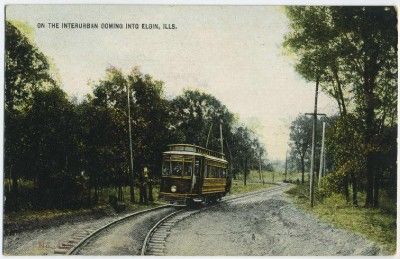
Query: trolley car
[[193, 174]]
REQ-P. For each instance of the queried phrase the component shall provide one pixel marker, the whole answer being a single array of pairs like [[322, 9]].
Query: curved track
[[154, 243], [81, 237]]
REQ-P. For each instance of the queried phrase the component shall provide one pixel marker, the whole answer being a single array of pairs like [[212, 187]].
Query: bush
[[331, 183]]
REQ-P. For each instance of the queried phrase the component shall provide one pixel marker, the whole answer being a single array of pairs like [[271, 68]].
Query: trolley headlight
[[173, 188]]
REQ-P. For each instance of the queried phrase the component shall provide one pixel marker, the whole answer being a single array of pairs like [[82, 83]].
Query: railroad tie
[[60, 251]]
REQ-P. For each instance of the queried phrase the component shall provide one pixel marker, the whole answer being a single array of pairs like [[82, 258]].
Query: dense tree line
[[61, 153], [351, 52]]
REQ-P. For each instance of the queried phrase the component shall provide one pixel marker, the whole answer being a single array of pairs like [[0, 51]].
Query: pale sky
[[231, 52]]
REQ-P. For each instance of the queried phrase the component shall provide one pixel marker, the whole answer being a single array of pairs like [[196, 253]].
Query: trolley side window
[[215, 169]]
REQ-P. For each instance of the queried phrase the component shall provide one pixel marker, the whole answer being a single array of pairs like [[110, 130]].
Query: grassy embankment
[[254, 181], [378, 225], [27, 216]]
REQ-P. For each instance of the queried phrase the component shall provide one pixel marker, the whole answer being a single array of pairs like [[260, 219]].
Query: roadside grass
[[253, 182], [103, 206], [239, 187], [48, 214], [270, 177], [378, 225]]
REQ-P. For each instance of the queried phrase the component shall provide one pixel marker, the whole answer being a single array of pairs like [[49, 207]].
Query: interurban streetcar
[[193, 174]]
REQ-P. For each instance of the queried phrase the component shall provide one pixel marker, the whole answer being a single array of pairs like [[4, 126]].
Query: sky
[[232, 52]]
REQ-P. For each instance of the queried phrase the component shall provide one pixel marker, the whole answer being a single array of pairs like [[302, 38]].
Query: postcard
[[200, 130]]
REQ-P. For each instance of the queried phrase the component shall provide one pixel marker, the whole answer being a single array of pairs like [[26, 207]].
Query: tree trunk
[[151, 198], [354, 187], [142, 189], [13, 197], [132, 189], [369, 131], [120, 193], [89, 200], [96, 193], [346, 188], [370, 183], [376, 189]]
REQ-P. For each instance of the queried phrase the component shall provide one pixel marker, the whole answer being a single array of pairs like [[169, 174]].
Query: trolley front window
[[166, 169], [177, 168], [188, 169]]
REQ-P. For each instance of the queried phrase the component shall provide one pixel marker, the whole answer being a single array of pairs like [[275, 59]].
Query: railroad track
[[154, 243], [82, 236]]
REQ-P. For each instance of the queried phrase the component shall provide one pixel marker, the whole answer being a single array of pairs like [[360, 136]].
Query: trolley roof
[[188, 149]]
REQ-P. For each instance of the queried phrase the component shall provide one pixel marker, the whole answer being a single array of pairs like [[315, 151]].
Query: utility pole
[[132, 185], [259, 165], [286, 166], [314, 132], [322, 157]]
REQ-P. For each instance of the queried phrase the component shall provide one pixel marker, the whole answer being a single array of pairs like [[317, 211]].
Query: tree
[[300, 141], [52, 154], [149, 119], [348, 156], [26, 70], [246, 150], [300, 137], [108, 137], [195, 113], [151, 125], [352, 51]]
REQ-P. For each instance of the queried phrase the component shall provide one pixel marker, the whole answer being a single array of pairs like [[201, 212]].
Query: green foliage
[[331, 184], [194, 113], [352, 53], [26, 69], [301, 141]]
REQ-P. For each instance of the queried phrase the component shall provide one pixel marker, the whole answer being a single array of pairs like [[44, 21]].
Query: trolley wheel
[[190, 203]]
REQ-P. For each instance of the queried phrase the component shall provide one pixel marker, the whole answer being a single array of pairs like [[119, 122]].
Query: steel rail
[[91, 235], [227, 199], [154, 228]]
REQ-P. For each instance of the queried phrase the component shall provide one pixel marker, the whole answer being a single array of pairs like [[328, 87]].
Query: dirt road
[[266, 224]]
